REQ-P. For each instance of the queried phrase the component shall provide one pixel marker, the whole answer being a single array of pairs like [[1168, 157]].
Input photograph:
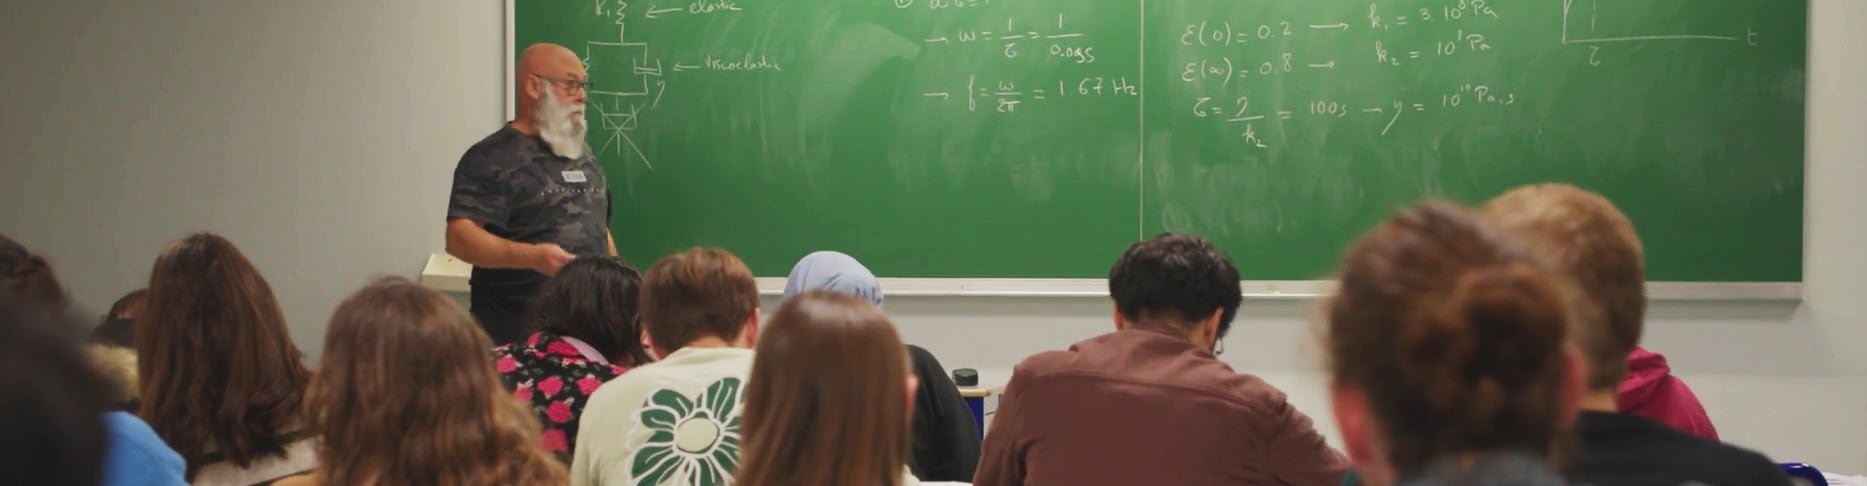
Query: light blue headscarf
[[834, 272]]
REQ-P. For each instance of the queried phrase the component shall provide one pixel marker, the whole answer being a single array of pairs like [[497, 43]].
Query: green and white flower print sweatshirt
[[671, 423]]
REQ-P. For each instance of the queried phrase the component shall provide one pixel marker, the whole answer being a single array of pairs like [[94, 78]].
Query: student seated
[[584, 334], [54, 425], [945, 436], [1150, 403], [676, 421], [1582, 237], [1448, 362], [221, 380], [829, 398], [405, 395]]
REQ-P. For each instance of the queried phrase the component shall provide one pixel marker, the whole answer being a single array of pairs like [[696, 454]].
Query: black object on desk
[[966, 377]]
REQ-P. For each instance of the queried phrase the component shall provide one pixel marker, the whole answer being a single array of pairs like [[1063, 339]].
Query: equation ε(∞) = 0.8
[[1224, 69]]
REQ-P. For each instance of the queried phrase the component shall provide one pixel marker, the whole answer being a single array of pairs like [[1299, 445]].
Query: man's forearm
[[468, 241]]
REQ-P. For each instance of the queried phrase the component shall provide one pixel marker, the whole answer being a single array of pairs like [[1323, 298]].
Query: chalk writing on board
[[710, 6], [1207, 33], [1225, 69], [696, 7], [1240, 110], [943, 4], [1594, 39], [1017, 38], [1457, 11], [655, 13], [746, 62], [1008, 96], [618, 111]]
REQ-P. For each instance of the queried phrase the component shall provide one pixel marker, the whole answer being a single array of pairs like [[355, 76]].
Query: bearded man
[[530, 197]]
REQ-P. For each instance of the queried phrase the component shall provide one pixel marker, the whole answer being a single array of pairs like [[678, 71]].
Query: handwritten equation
[[1230, 64], [1056, 43], [1241, 111], [1007, 96]]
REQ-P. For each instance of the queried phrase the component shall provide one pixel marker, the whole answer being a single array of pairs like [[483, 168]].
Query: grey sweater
[[1503, 469]]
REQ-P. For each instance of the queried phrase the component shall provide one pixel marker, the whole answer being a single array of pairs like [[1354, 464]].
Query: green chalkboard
[[1037, 138]]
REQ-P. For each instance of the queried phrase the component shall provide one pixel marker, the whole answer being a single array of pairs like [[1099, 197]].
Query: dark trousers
[[500, 309]]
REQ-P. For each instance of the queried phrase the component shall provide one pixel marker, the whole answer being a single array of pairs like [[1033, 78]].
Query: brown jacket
[[1142, 407]]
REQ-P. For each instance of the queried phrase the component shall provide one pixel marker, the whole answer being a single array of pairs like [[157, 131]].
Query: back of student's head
[[29, 276], [695, 294], [217, 369], [407, 395], [1451, 338], [1583, 237], [827, 402], [118, 326], [1176, 278], [51, 400], [594, 299], [833, 271]]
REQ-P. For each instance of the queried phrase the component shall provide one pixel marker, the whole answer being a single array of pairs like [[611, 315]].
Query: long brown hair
[[826, 404], [220, 377], [407, 395], [1455, 337]]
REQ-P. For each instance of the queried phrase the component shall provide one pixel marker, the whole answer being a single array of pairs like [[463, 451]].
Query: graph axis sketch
[[1569, 21], [616, 119]]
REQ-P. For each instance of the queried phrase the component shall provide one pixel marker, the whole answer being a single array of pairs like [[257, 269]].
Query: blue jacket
[[137, 456]]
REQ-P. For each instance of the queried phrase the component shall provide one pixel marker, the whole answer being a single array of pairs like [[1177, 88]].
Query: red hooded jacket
[[1650, 390]]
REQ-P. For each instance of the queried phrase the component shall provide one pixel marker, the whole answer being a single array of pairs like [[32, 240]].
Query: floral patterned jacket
[[549, 373], [671, 423]]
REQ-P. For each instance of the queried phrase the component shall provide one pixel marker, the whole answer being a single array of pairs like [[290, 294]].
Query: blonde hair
[[119, 364]]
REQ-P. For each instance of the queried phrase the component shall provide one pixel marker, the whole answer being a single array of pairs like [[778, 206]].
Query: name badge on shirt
[[574, 176]]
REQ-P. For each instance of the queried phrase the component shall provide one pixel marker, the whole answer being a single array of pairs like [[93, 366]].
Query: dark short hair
[[1175, 277], [52, 416], [594, 299], [697, 293], [29, 276]]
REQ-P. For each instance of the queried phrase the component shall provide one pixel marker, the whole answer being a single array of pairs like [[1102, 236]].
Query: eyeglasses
[[569, 84]]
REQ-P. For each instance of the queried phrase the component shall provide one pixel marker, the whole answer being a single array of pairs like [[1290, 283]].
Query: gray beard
[[562, 132]]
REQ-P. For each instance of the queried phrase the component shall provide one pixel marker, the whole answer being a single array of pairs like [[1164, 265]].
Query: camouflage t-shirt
[[522, 192]]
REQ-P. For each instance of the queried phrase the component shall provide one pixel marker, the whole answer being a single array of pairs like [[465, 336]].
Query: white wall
[[320, 135]]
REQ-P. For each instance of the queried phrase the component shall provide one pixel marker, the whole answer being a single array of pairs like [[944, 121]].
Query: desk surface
[[977, 392]]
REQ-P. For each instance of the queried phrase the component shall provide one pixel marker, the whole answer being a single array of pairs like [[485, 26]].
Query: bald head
[[548, 67]]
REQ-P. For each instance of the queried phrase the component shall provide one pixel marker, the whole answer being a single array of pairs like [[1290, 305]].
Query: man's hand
[[548, 258], [469, 241]]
